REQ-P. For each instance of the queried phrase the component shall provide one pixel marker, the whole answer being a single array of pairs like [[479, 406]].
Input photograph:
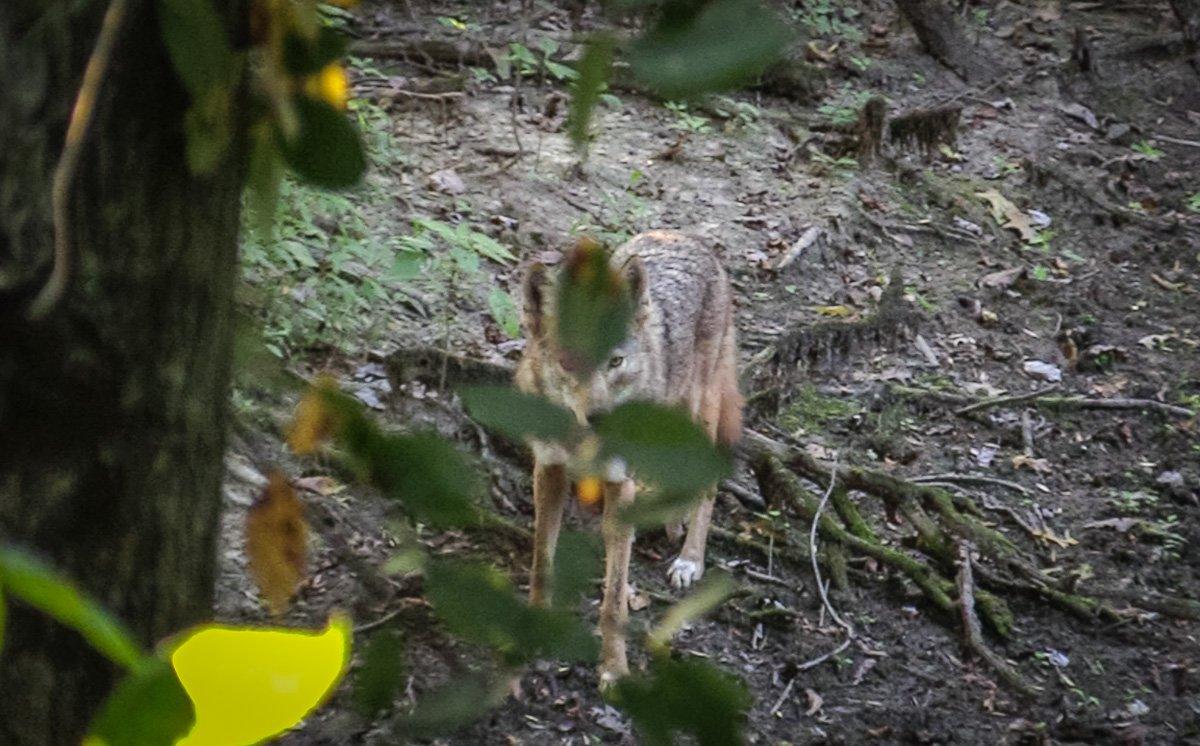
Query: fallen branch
[[821, 587], [974, 635]]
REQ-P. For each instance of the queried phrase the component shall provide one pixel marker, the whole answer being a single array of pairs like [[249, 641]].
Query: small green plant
[[1041, 273], [829, 19], [861, 63], [1193, 203], [846, 112], [686, 121], [1146, 149], [528, 64], [1041, 241], [738, 114]]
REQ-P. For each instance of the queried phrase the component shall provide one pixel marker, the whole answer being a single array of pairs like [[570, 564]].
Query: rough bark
[[112, 409], [942, 36]]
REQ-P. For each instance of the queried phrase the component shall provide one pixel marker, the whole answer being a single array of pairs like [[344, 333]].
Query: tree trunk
[[112, 409], [943, 38]]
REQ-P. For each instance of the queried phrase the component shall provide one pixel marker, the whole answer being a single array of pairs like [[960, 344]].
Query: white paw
[[610, 676], [683, 573]]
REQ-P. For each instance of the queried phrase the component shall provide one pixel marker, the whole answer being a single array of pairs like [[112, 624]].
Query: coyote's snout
[[681, 350]]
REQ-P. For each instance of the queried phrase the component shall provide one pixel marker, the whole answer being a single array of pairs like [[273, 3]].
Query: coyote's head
[[546, 367]]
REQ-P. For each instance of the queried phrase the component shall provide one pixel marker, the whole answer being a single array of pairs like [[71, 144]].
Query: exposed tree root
[[943, 524]]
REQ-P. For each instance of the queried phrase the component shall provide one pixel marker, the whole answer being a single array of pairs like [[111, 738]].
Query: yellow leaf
[[315, 420], [840, 312], [277, 542], [249, 684], [329, 85]]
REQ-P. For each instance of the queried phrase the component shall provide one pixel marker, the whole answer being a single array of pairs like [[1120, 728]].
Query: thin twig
[[822, 588], [951, 478], [786, 691], [1000, 401], [378, 622], [68, 163]]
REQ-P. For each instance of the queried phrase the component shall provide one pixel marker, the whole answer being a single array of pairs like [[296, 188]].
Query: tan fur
[[681, 350]]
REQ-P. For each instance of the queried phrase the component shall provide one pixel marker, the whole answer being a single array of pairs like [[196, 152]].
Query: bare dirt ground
[[1104, 294]]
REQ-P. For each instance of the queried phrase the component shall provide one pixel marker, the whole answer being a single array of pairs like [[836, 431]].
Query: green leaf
[[576, 566], [710, 594], [654, 507], [376, 683], [686, 696], [594, 71], [149, 707], [516, 414], [452, 706], [478, 603], [207, 125], [504, 312], [724, 44], [663, 446], [36, 584], [426, 474], [327, 150], [407, 265], [264, 179], [197, 45], [303, 56], [594, 308], [490, 248]]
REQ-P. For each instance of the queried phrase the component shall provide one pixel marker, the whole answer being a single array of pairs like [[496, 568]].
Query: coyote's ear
[[534, 289], [634, 273]]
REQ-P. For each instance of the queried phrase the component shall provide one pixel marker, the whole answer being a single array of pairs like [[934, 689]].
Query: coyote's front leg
[[614, 609], [549, 498]]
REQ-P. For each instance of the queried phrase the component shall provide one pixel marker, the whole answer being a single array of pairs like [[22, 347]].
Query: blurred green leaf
[[478, 603], [654, 507], [302, 56], [576, 566], [451, 706], [327, 150], [425, 473], [428, 475], [378, 680], [208, 127], [594, 71], [26, 578], [663, 446], [263, 179], [722, 45], [594, 308], [504, 312], [710, 594], [197, 45], [685, 696], [517, 414], [149, 707]]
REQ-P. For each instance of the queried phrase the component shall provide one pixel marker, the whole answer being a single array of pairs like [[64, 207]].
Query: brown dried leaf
[[277, 543], [1009, 215], [1003, 279], [815, 702], [1037, 465]]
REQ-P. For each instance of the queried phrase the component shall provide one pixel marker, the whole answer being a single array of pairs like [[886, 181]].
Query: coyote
[[681, 350]]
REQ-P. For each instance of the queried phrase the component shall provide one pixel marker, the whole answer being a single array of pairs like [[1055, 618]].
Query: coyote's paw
[[683, 572], [610, 674]]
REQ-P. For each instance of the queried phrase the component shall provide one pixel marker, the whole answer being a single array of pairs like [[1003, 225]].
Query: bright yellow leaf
[[249, 684], [329, 85]]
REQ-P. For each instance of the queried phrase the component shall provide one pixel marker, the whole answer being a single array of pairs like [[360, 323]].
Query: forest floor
[[1055, 241]]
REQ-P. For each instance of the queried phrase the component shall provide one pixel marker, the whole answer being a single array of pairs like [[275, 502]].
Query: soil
[[1107, 299]]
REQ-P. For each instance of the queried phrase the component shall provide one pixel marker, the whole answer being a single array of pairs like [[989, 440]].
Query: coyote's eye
[[615, 361]]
